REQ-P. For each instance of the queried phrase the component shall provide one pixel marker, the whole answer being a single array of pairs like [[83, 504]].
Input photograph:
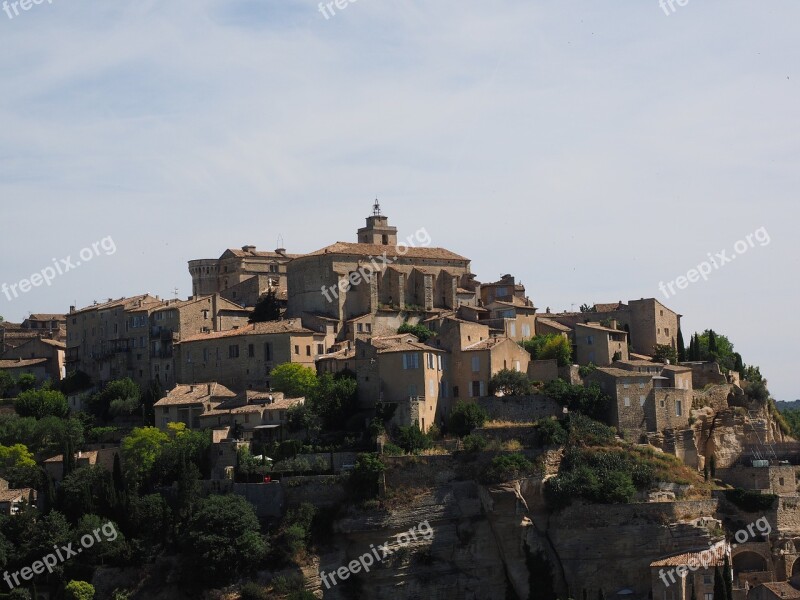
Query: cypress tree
[[728, 577], [719, 586], [681, 347], [712, 342]]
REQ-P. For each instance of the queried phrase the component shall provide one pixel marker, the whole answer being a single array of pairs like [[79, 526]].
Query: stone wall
[[520, 409], [319, 490], [543, 370]]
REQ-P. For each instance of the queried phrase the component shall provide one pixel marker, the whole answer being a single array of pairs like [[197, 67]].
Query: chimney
[[249, 248], [281, 251], [613, 324], [72, 308], [191, 388], [209, 389]]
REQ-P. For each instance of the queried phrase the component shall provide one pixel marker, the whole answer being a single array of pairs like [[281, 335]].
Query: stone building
[[643, 402], [37, 325], [673, 577], [228, 274], [377, 278], [51, 351], [647, 321], [599, 345], [243, 358], [185, 403]]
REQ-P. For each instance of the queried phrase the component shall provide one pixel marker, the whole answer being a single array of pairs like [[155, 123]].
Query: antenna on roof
[[376, 208]]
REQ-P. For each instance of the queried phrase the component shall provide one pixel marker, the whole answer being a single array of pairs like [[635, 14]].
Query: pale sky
[[592, 149]]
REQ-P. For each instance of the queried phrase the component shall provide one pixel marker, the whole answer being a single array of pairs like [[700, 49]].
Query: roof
[[47, 317], [460, 290], [554, 324], [515, 301], [486, 344], [614, 372], [241, 253], [21, 363], [676, 368], [598, 327], [713, 557], [194, 394], [15, 495], [404, 346], [125, 303], [347, 248], [782, 589], [609, 307], [640, 363], [54, 343], [270, 327], [91, 455]]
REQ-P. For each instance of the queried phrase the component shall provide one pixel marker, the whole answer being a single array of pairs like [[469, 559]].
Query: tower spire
[[376, 208]]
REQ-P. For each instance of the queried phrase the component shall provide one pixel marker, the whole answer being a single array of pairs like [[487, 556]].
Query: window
[[589, 340], [707, 581], [707, 596], [431, 360], [780, 481], [476, 389], [626, 385], [432, 388], [642, 400], [233, 351], [526, 331], [411, 360], [360, 327], [517, 366], [661, 404], [666, 330], [513, 329], [321, 349], [267, 351], [251, 351], [678, 408], [308, 350], [455, 391], [476, 364], [626, 401], [368, 327], [641, 385], [439, 361], [296, 349]]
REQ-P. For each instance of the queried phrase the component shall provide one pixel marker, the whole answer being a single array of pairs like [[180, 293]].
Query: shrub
[[365, 478], [510, 383], [253, 591], [750, 501], [26, 381], [507, 467], [584, 431], [412, 440], [41, 403], [465, 417], [589, 400], [551, 432], [474, 443], [390, 449], [422, 332], [79, 590]]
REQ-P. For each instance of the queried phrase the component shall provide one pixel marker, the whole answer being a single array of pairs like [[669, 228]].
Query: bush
[[253, 591], [474, 443], [365, 478], [589, 400], [465, 417], [751, 501], [392, 450], [551, 432], [79, 590], [41, 403], [507, 467], [412, 440], [6, 383], [26, 382], [510, 383], [584, 431], [551, 345], [422, 332]]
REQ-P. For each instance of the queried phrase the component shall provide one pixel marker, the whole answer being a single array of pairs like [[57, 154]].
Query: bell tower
[[378, 231]]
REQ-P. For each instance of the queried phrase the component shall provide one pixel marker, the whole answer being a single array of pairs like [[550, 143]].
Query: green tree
[[663, 353], [122, 393], [712, 342], [365, 479], [510, 383], [334, 399], [465, 417], [79, 590], [584, 308], [224, 536], [6, 383], [719, 585], [727, 577], [26, 381], [681, 347], [301, 417], [140, 450], [41, 403], [267, 308], [412, 440], [294, 380], [419, 330], [549, 346]]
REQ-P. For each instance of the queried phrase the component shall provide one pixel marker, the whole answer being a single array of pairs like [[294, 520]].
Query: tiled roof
[[676, 368], [485, 344], [387, 341], [782, 589], [713, 556], [270, 327], [598, 327], [25, 362], [54, 343], [555, 324], [515, 301], [238, 252], [194, 394], [613, 371], [404, 346], [15, 495], [347, 248], [91, 455], [612, 306], [640, 363], [126, 303], [47, 317]]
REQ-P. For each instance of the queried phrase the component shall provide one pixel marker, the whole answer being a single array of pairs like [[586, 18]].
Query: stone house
[[38, 367], [185, 403], [12, 501], [52, 351], [673, 577], [599, 345], [244, 358], [774, 590], [54, 466], [251, 415]]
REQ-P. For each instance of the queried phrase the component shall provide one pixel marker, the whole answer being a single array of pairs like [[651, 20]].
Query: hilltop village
[[299, 410]]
